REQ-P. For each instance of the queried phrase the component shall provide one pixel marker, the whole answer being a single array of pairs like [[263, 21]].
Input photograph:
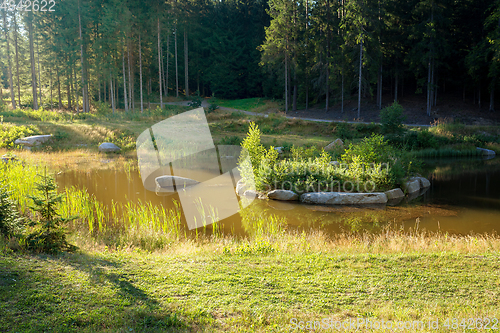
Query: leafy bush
[[371, 150], [49, 235], [212, 107], [392, 118], [10, 133], [195, 103]]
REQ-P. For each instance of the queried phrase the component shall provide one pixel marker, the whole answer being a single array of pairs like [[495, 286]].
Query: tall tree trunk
[[149, 94], [360, 75], [168, 57], [124, 81], [176, 65], [69, 87], [17, 62], [111, 92], [327, 104], [307, 63], [130, 81], [140, 73], [429, 89], [77, 101], [39, 73], [32, 61], [59, 88], [286, 83], [12, 96], [186, 63], [159, 65], [342, 94], [295, 88], [84, 102], [50, 77]]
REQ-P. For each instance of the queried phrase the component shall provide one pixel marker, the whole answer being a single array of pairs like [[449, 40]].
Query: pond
[[464, 198]]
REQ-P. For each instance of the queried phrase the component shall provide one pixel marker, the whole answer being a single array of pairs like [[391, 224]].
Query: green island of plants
[[372, 161]]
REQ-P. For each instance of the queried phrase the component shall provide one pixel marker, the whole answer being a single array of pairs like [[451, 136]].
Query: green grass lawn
[[201, 290]]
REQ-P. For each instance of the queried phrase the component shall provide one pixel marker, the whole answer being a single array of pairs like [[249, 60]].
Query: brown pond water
[[464, 198]]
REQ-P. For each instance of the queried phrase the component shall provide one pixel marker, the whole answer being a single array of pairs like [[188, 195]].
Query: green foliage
[[49, 234], [254, 149], [10, 133], [371, 150], [212, 107], [230, 140], [10, 221], [195, 103], [392, 118]]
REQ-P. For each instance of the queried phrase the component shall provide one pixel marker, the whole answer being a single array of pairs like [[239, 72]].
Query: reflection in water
[[464, 198]]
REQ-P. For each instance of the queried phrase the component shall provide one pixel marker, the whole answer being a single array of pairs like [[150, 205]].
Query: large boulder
[[424, 182], [241, 187], [283, 195], [486, 152], [396, 193], [334, 145], [341, 198], [411, 186], [394, 197], [166, 183], [279, 150], [34, 140], [251, 194], [108, 147]]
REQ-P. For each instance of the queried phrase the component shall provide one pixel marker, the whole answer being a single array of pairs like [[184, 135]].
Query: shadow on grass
[[36, 294]]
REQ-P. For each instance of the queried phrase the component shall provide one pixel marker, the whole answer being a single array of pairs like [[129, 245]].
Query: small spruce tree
[[50, 236]]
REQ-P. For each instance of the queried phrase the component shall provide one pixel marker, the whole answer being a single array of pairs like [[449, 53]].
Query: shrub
[[195, 103], [10, 221], [212, 107], [370, 150], [10, 133], [230, 140], [392, 118]]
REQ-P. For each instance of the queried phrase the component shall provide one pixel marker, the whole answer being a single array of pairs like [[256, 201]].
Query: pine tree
[[51, 237]]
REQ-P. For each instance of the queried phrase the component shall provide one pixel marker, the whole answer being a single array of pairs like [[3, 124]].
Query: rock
[[167, 182], [411, 186], [424, 182], [487, 152], [335, 163], [341, 198], [241, 187], [284, 195], [396, 193], [251, 194], [279, 150], [34, 140], [108, 147], [337, 144]]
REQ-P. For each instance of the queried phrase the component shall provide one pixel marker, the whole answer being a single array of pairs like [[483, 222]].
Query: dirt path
[[204, 104]]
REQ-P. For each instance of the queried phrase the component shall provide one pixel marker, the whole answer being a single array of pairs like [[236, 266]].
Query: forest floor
[[450, 108]]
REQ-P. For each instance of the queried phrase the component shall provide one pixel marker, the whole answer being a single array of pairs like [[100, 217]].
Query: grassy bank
[[239, 286]]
